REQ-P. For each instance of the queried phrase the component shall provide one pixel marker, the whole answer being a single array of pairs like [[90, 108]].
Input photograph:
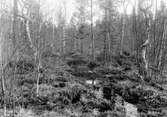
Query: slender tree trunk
[[81, 45], [109, 29], [153, 45], [105, 49], [3, 90], [53, 35], [75, 44], [14, 22], [122, 34], [163, 59], [15, 10], [160, 47], [64, 40], [162, 51], [38, 53], [92, 35], [134, 28], [107, 40], [144, 50], [109, 45], [38, 72]]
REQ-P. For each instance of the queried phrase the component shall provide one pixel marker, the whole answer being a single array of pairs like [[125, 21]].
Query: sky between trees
[[50, 8]]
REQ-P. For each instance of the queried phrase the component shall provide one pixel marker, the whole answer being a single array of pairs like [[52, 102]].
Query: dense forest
[[95, 58]]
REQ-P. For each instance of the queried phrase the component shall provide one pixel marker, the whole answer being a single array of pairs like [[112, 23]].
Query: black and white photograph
[[83, 58]]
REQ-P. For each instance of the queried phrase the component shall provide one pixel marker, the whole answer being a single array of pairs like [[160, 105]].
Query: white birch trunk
[[123, 33]]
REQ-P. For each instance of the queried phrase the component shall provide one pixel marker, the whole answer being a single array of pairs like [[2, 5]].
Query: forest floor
[[76, 87]]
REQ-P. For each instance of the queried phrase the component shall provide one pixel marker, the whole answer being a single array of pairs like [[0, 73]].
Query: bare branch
[[25, 17]]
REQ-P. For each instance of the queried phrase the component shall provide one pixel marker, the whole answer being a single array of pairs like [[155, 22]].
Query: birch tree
[[33, 28], [161, 53], [145, 45], [5, 27]]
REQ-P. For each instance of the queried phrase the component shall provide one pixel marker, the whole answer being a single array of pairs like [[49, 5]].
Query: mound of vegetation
[[124, 80]]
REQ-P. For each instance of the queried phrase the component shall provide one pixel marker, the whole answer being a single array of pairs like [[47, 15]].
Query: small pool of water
[[131, 110]]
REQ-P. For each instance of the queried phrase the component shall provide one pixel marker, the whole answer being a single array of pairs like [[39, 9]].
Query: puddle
[[90, 82], [131, 110]]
